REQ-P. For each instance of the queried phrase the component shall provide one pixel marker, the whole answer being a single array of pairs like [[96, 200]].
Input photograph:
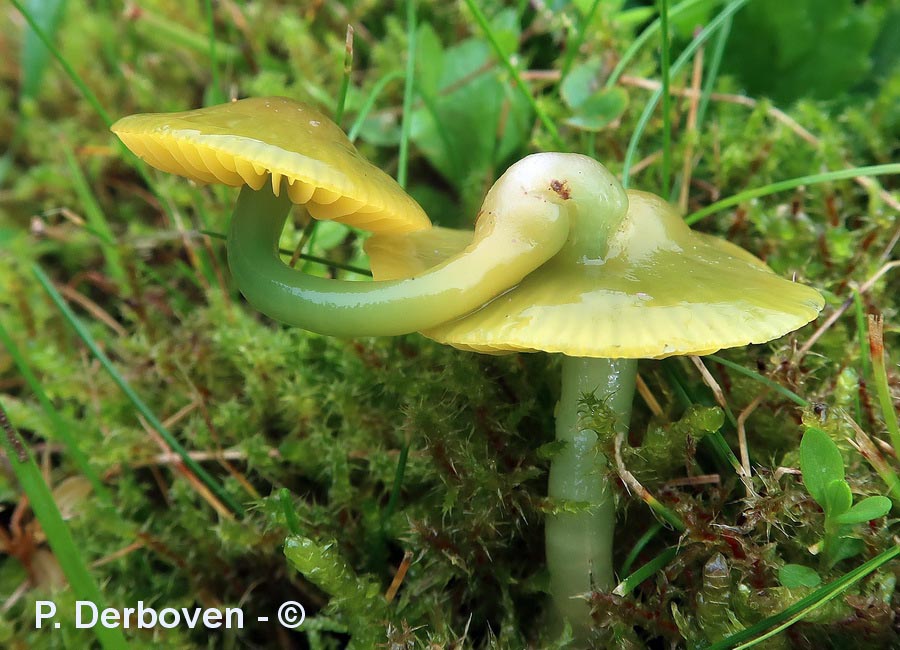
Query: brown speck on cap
[[561, 188]]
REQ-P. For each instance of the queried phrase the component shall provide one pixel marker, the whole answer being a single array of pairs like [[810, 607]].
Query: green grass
[[62, 430], [520, 85], [409, 87], [139, 405], [771, 626], [721, 20], [665, 72], [791, 183], [211, 435], [65, 549]]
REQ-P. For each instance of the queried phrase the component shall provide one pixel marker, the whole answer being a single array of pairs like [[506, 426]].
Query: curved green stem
[[579, 544], [502, 252]]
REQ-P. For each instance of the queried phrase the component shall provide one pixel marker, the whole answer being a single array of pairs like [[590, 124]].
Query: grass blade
[[47, 14], [666, 97], [639, 546], [864, 361], [575, 45], [397, 484], [645, 571], [345, 79], [774, 385], [645, 36], [309, 232], [304, 256], [216, 93], [86, 92], [35, 55], [408, 91], [96, 218], [138, 403], [716, 439], [514, 73], [698, 40], [802, 607], [369, 102], [65, 550], [290, 515], [168, 33], [712, 73], [774, 188], [61, 430]]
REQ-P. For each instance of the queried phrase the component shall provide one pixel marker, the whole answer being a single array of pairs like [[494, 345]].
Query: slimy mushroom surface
[[284, 152], [657, 289], [274, 140]]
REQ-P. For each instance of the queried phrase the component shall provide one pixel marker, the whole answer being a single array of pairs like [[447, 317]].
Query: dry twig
[[691, 127], [648, 397], [742, 439], [195, 482], [710, 381]]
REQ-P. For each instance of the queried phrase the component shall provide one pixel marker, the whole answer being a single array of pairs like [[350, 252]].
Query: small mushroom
[[282, 152], [630, 283]]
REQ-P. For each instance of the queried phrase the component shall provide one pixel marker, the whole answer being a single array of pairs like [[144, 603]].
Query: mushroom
[[630, 282], [562, 259], [283, 152]]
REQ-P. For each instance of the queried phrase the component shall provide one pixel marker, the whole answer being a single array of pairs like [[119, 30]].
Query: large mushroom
[[281, 152], [562, 259], [632, 281]]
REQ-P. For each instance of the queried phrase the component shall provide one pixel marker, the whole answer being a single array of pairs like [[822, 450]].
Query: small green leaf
[[582, 82], [797, 575], [429, 61], [843, 548], [820, 463], [866, 510], [472, 122], [838, 498], [600, 109]]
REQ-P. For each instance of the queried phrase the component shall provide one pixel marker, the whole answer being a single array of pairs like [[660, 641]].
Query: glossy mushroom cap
[[275, 139], [653, 288]]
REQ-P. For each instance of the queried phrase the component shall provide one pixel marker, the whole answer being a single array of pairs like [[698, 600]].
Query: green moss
[[269, 409]]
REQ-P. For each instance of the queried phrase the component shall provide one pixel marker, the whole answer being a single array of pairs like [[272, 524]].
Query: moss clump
[[267, 409]]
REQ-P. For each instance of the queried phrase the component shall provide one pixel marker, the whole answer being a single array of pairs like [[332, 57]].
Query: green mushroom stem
[[500, 255], [579, 544]]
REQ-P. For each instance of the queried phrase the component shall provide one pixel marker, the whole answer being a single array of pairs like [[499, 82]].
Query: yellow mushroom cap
[[660, 290], [275, 139]]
